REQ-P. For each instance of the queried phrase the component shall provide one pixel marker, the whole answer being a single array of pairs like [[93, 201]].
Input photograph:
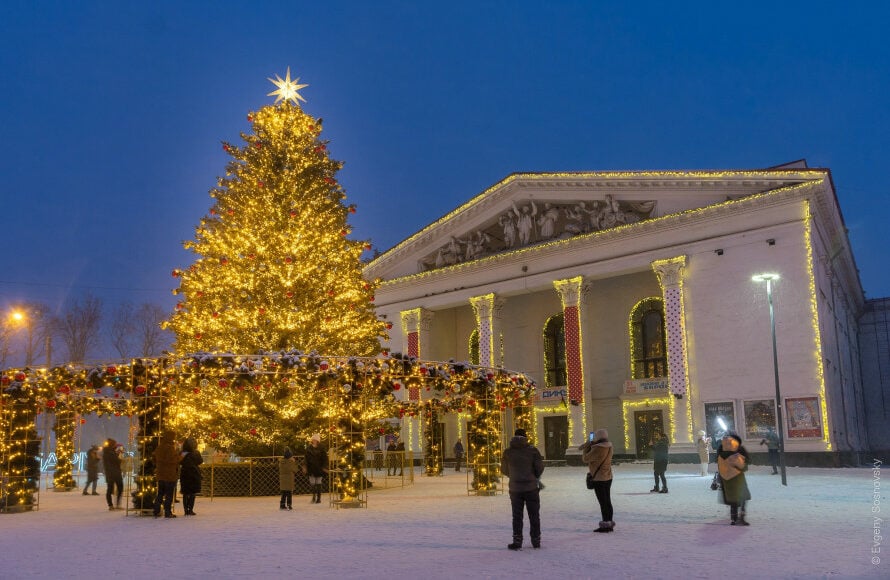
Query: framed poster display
[[760, 415], [725, 411], [804, 418]]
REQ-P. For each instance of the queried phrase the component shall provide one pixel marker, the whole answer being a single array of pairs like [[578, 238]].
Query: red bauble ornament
[[352, 209], [288, 260], [112, 370], [4, 380], [117, 395], [212, 211], [389, 326], [367, 246], [223, 261], [293, 214], [179, 306], [260, 184], [343, 232], [223, 383], [381, 430], [51, 404], [198, 336], [64, 389], [199, 293], [324, 365], [253, 431], [396, 386], [328, 180], [371, 299], [196, 390], [139, 390], [214, 435], [216, 314], [385, 353], [262, 310], [290, 294], [424, 370], [250, 118], [83, 421], [258, 145], [175, 273], [225, 147]]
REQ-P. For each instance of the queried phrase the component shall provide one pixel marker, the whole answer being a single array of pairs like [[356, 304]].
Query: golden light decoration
[[287, 90], [817, 333]]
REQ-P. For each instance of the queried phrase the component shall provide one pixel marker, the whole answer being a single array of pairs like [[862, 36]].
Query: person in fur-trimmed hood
[[597, 454], [524, 465], [732, 463]]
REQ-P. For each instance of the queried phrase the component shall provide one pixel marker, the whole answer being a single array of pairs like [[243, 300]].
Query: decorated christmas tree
[[275, 268]]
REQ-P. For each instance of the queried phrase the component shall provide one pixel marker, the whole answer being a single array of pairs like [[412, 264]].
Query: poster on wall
[[717, 412], [760, 415], [803, 417]]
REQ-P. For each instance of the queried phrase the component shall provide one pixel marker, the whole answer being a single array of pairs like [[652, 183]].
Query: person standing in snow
[[597, 454], [524, 465], [93, 460], [458, 454], [772, 446], [167, 472], [114, 479], [190, 474], [660, 455], [317, 466], [703, 446], [287, 469], [732, 463]]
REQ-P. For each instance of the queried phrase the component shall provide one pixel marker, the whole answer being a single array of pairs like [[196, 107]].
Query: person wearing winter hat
[[287, 469], [597, 454], [93, 460], [316, 466], [524, 465], [190, 474], [114, 479], [732, 463]]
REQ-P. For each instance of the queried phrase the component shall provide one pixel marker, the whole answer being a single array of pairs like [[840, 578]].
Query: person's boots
[[605, 527], [516, 545], [741, 521], [733, 514]]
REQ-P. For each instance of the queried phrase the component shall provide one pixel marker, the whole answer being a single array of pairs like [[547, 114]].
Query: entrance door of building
[[556, 436], [646, 425]]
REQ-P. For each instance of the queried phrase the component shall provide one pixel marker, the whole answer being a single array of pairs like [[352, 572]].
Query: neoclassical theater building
[[636, 302]]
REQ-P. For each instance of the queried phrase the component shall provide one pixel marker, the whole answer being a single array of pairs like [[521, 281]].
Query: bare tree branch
[[122, 329], [78, 326], [147, 322]]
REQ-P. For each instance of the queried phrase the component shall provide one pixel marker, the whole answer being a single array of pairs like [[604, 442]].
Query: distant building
[[628, 297]]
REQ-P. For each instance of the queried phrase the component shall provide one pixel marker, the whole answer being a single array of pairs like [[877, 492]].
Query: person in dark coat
[[597, 454], [732, 463], [114, 479], [392, 460], [287, 469], [190, 474], [772, 446], [93, 460], [166, 472], [317, 466], [660, 455], [524, 465], [458, 454]]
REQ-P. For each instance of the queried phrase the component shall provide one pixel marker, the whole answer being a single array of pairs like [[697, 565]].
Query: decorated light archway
[[235, 401]]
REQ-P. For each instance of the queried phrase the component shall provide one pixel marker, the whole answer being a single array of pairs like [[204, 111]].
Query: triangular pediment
[[527, 209]]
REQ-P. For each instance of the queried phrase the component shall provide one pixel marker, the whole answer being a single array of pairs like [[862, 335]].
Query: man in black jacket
[[524, 465]]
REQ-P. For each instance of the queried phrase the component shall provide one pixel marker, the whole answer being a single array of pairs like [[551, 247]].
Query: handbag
[[589, 480], [716, 483]]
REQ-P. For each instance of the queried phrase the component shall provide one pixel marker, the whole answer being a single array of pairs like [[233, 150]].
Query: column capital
[[416, 319], [487, 306], [670, 271], [571, 290]]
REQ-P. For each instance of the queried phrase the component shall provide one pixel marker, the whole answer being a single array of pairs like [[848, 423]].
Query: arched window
[[555, 351], [647, 341], [474, 347]]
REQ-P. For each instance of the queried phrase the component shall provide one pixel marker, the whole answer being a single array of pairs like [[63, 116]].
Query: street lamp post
[[768, 278]]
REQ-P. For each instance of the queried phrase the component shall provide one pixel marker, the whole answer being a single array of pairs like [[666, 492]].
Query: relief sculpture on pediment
[[527, 224]]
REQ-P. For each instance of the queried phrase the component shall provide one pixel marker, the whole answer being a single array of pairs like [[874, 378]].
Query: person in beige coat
[[597, 454], [287, 469]]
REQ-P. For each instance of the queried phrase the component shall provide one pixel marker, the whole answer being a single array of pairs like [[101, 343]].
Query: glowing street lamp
[[20, 317], [768, 278]]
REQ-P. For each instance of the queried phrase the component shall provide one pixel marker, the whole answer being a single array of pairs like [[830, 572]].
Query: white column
[[670, 277]]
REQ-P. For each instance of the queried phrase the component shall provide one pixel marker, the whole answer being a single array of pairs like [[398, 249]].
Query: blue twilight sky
[[113, 112]]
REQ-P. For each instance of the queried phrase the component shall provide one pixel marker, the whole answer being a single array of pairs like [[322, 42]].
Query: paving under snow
[[820, 526]]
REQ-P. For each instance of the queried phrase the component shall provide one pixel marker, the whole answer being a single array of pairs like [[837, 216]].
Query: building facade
[[629, 298]]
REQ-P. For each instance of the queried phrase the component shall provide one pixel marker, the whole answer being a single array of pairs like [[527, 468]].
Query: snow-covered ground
[[820, 526]]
